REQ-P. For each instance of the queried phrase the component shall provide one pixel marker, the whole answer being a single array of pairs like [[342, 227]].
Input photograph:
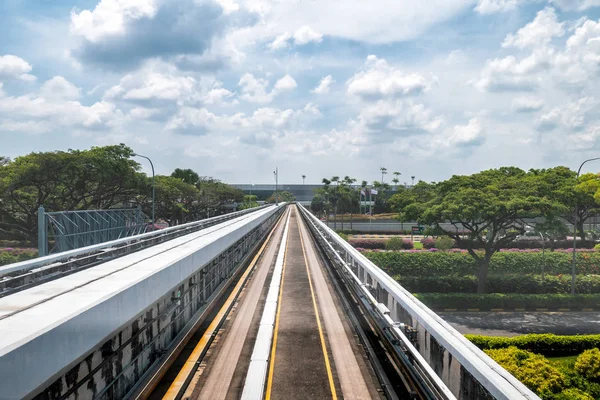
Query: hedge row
[[506, 283], [464, 301], [536, 244], [548, 344], [442, 263]]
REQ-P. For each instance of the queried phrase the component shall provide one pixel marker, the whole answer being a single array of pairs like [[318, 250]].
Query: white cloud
[[380, 80], [57, 110], [571, 116], [280, 42], [193, 121], [153, 85], [527, 104], [15, 67], [384, 21], [229, 6], [200, 121], [324, 85], [467, 135], [306, 35], [110, 17], [217, 95], [59, 88], [386, 119], [510, 74], [143, 112], [255, 90], [285, 83], [576, 5], [537, 33], [485, 7]]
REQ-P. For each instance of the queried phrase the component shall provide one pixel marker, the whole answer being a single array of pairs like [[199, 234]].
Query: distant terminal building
[[303, 193]]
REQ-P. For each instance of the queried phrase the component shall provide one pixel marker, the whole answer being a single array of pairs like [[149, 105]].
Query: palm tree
[[396, 180], [350, 197], [326, 182], [383, 172], [336, 180], [303, 178]]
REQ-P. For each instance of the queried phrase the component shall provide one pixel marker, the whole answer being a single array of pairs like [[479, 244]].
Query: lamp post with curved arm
[[574, 263], [151, 165]]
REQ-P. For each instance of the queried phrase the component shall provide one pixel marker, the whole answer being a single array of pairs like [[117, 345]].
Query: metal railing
[[68, 230], [24, 274], [402, 309]]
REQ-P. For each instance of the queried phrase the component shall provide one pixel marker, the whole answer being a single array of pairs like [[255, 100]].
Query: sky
[[233, 88]]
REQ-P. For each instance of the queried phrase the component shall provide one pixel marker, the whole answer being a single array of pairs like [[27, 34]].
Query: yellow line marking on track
[[274, 344], [190, 363], [314, 300]]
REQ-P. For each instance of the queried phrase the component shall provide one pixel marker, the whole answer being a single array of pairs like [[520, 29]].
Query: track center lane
[[349, 373], [299, 370]]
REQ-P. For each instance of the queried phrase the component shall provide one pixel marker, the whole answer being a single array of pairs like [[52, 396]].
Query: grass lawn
[[564, 362]]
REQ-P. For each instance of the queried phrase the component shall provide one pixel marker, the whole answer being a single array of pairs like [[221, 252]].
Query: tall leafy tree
[[98, 178], [186, 175], [485, 208]]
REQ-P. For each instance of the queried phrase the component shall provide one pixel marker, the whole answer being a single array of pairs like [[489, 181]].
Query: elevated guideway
[[267, 304]]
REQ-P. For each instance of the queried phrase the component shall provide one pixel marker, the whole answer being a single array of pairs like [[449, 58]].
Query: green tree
[[98, 178], [488, 206], [284, 196], [250, 201], [186, 175]]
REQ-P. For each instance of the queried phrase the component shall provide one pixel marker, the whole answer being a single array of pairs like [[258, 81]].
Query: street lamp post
[[151, 165], [275, 174], [303, 178], [574, 263]]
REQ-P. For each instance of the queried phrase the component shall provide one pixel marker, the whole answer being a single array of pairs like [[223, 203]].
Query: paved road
[[520, 323]]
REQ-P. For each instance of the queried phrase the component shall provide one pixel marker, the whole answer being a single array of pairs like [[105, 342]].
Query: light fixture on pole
[[574, 263], [303, 178], [275, 174], [151, 165]]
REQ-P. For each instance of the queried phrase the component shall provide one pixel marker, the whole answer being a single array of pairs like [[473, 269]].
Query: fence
[[67, 230]]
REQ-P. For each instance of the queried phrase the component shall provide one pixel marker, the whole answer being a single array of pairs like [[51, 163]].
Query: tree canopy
[[99, 178], [486, 208]]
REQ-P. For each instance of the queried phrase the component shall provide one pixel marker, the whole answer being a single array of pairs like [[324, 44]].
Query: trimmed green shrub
[[394, 243], [507, 283], [370, 244], [425, 263], [444, 243], [547, 344], [588, 364], [343, 235], [463, 301], [597, 247], [534, 370]]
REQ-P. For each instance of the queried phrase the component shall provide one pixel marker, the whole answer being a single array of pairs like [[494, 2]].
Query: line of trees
[[100, 178], [488, 210]]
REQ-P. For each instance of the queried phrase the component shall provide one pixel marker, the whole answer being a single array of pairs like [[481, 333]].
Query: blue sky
[[336, 87]]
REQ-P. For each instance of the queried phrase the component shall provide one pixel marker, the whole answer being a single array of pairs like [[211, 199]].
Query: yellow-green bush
[[534, 370], [588, 364]]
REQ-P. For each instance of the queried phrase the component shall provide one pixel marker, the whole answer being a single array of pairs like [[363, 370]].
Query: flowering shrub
[[367, 243], [428, 243], [9, 255]]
